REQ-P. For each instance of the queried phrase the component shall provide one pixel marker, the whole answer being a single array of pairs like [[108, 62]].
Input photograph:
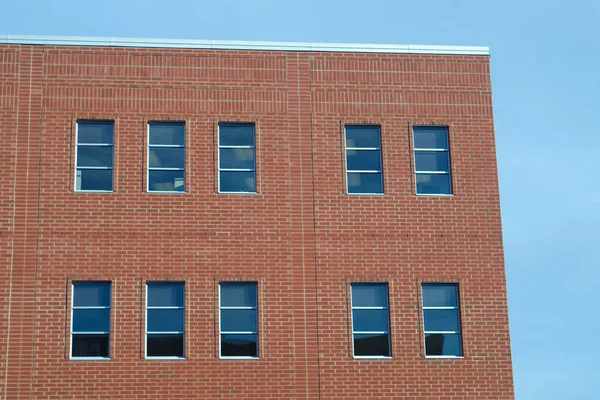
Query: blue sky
[[546, 85]]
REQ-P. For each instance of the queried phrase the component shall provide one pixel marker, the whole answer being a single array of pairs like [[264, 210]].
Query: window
[[166, 157], [94, 157], [363, 159], [432, 160], [165, 319], [237, 163], [239, 320], [90, 322], [370, 320], [441, 319]]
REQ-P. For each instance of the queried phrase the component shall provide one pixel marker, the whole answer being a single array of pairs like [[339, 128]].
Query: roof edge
[[241, 45]]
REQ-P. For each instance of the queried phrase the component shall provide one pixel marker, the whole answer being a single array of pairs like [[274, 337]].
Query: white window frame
[[73, 308], [368, 171], [167, 146], [148, 283], [457, 308], [435, 149], [388, 332], [221, 332], [253, 147], [111, 145]]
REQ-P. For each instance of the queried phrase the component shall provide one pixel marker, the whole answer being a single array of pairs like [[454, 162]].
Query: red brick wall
[[300, 237]]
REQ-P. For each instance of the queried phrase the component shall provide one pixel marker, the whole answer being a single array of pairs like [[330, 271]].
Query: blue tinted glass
[[165, 157], [91, 320], [368, 295], [90, 346], [165, 294], [433, 184], [372, 345], [430, 138], [167, 134], [441, 320], [362, 136], [164, 345], [94, 179], [237, 181], [363, 160], [236, 135], [236, 158], [370, 320], [238, 295], [440, 295], [93, 156], [239, 345], [238, 320], [166, 181], [165, 320], [91, 294], [437, 344], [363, 182], [432, 161], [95, 132]]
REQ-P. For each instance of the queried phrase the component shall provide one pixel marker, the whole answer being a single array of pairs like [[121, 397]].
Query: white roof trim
[[242, 45]]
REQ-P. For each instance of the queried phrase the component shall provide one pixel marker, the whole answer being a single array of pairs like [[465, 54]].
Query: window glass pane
[[370, 320], [166, 181], [164, 345], [441, 320], [167, 134], [371, 345], [94, 156], [432, 161], [164, 157], [238, 320], [237, 181], [95, 132], [365, 182], [165, 294], [90, 346], [236, 135], [91, 294], [437, 344], [165, 320], [440, 296], [369, 295], [94, 179], [362, 136], [433, 184], [239, 345], [365, 160], [431, 138], [236, 158], [91, 320], [238, 295]]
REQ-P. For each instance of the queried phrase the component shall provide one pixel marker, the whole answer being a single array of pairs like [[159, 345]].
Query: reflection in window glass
[[165, 316], [90, 325], [94, 158], [370, 320], [363, 159], [432, 160], [237, 158], [441, 319], [166, 157], [238, 319]]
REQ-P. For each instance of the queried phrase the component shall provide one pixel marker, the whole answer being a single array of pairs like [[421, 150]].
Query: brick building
[[199, 219]]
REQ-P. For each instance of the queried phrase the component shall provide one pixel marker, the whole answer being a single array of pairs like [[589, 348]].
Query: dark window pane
[[164, 346], [433, 184], [441, 320], [91, 294], [369, 295], [165, 321], [365, 160], [237, 181], [91, 320], [165, 294], [239, 345], [238, 320], [169, 134], [94, 179], [238, 295], [431, 138], [437, 344], [365, 183], [90, 346], [95, 132], [236, 158], [432, 161], [165, 157], [370, 320], [236, 135], [371, 345], [440, 295], [362, 136], [94, 156], [166, 181]]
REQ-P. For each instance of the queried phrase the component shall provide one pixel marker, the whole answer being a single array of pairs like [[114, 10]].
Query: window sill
[[90, 359], [165, 358], [94, 191], [243, 193], [163, 192], [238, 358], [366, 194], [444, 357], [372, 357], [434, 195]]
